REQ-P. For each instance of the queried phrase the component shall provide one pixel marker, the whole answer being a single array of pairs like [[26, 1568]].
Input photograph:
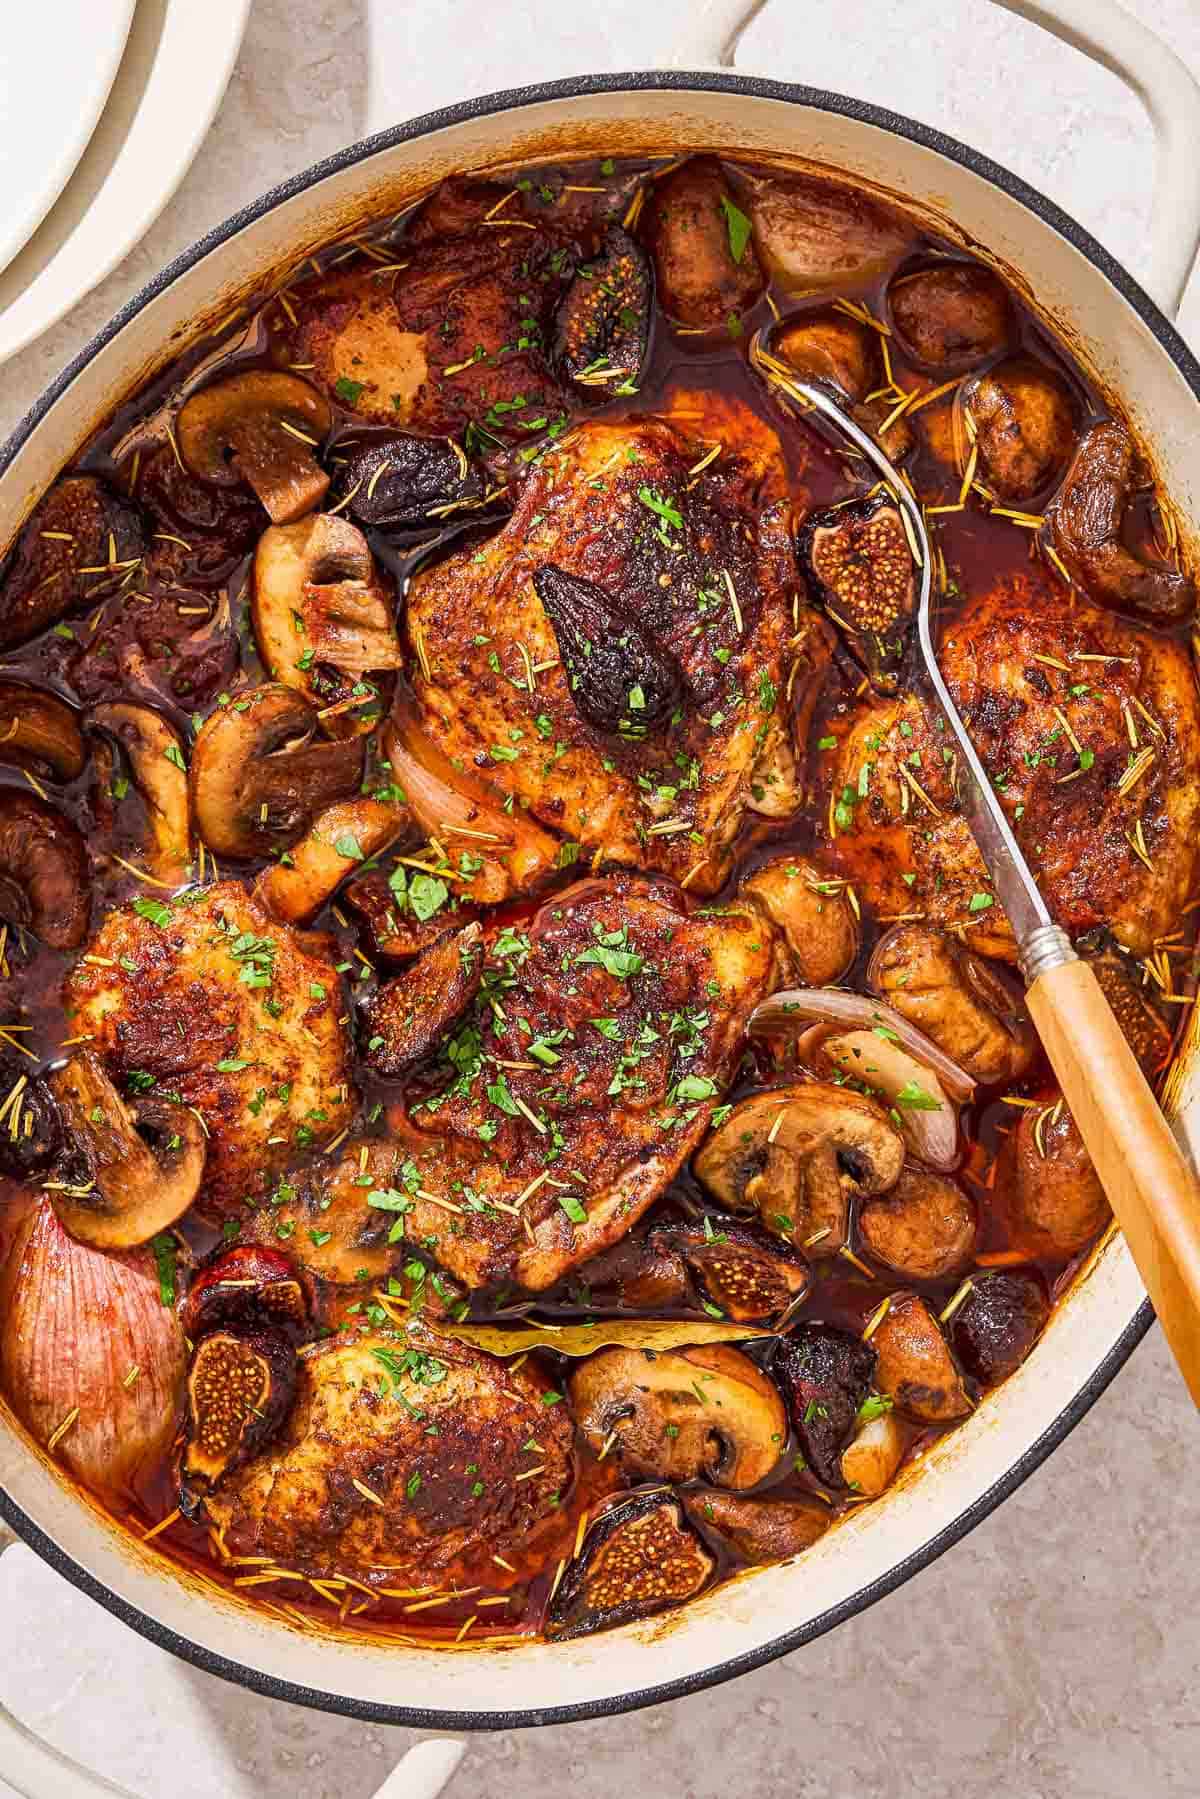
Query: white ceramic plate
[[177, 62], [57, 63]]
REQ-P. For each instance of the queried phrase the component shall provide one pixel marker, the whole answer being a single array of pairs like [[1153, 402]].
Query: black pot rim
[[571, 87]]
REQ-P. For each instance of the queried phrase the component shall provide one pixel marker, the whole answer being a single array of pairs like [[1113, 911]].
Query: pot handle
[[1103, 30], [36, 1770]]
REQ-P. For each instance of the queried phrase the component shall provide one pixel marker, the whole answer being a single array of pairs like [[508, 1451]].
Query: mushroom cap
[[924, 1228], [260, 773], [702, 1411], [156, 756], [828, 345], [1086, 517], [974, 1012], [1024, 414], [760, 1530], [813, 915], [915, 1367], [132, 1192], [260, 427], [43, 870], [38, 729], [951, 315]]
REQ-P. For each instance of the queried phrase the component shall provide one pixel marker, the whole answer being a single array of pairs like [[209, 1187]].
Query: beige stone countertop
[[1053, 1653]]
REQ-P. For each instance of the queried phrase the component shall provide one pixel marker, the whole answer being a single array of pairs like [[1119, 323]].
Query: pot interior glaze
[[1132, 352]]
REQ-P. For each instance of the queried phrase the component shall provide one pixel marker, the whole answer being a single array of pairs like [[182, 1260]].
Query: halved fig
[[156, 759], [261, 428], [797, 1155], [707, 271], [972, 1010], [859, 567], [1046, 1183], [915, 1368], [338, 839], [405, 1017], [638, 1558], [875, 1452], [999, 1322], [43, 871], [830, 346], [396, 931], [951, 315], [122, 1189], [825, 1374], [248, 1284], [318, 600], [923, 1229], [603, 323], [260, 772], [743, 1272], [812, 913], [1145, 1029], [40, 731], [403, 481], [759, 1530], [239, 1390], [1024, 417], [1086, 517], [707, 1411], [812, 233], [78, 544], [620, 680]]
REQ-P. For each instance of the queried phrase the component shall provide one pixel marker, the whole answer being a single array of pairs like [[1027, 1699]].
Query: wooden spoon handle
[[1152, 1190]]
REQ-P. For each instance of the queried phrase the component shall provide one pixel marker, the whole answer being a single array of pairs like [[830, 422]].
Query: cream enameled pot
[[1129, 344]]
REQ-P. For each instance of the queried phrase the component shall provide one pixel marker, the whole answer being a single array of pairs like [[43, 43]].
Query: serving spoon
[[1151, 1188]]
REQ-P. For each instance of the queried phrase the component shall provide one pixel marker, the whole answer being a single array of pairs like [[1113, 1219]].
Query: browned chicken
[[1090, 729], [209, 997], [414, 1459], [618, 656], [585, 1073]]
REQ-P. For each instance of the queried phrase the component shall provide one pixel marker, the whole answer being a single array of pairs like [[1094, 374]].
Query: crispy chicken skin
[[439, 1432], [457, 335], [265, 1062], [1011, 661], [702, 563], [586, 1072]]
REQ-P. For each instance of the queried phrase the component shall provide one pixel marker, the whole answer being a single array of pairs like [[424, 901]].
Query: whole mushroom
[[971, 1009], [1024, 416]]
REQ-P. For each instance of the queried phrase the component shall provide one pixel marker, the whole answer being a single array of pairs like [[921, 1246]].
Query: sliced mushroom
[[129, 1191], [404, 482], [706, 268], [246, 1285], [908, 1089], [825, 1373], [924, 1228], [744, 1273], [828, 345], [337, 841], [240, 1388], [915, 1368], [637, 1559], [797, 1155], [872, 1457], [1047, 1184], [813, 914], [951, 315], [43, 871], [973, 1011], [603, 324], [859, 566], [1086, 517], [40, 731], [262, 428], [1024, 416], [260, 773], [1146, 1030], [406, 1017], [621, 681], [812, 233], [156, 758], [705, 1411], [759, 1530], [999, 1322], [78, 544], [317, 600]]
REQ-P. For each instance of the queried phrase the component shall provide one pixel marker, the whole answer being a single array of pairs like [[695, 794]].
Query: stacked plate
[[103, 105]]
